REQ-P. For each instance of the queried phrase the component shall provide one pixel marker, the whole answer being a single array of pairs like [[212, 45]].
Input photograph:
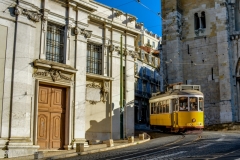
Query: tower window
[[199, 20]]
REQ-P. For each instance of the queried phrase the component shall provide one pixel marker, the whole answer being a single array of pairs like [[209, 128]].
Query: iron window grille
[[94, 58], [55, 43]]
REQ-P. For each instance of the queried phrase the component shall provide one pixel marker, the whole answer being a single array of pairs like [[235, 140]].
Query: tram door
[[174, 113]]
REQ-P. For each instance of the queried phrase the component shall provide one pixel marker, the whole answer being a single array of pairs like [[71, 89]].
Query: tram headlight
[[193, 120]]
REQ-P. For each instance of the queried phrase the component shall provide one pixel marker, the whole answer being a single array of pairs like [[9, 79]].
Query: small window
[[144, 87], [144, 70], [152, 108], [152, 74], [183, 104], [153, 44], [199, 22], [55, 43], [94, 58], [196, 21], [193, 103], [157, 108], [161, 107], [201, 104], [203, 20], [167, 106], [174, 105], [136, 68]]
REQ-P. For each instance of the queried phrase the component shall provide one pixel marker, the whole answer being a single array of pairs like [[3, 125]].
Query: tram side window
[[183, 103], [152, 108], [164, 106], [157, 108], [193, 103], [161, 107], [167, 107], [201, 104], [174, 105]]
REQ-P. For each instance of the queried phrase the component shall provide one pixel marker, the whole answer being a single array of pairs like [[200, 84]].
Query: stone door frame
[[68, 119]]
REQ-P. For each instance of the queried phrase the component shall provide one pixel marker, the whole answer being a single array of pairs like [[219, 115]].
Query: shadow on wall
[[101, 130]]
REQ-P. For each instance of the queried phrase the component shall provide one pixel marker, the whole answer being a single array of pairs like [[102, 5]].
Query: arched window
[[199, 20], [203, 20], [196, 21]]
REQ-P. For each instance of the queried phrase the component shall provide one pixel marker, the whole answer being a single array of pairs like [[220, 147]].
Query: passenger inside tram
[[183, 102], [193, 103]]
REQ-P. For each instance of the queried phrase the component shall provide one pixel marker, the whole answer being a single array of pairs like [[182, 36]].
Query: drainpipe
[[121, 91], [13, 69], [74, 90], [111, 105]]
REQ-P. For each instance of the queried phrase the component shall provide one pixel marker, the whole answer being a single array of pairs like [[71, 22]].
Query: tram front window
[[193, 103], [183, 104], [201, 102]]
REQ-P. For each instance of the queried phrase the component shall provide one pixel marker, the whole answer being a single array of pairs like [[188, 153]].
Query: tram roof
[[178, 92]]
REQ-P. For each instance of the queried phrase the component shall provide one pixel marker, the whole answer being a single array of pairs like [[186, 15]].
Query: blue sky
[[145, 11]]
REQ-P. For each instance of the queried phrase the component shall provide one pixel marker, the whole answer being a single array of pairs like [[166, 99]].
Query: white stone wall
[[19, 84]]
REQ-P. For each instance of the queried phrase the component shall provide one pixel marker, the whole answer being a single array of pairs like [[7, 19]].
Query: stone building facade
[[60, 74], [200, 46]]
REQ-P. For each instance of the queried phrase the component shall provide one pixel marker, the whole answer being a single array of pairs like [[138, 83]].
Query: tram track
[[156, 150]]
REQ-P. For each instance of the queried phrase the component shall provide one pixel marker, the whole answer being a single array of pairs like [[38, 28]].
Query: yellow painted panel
[[160, 119], [185, 119]]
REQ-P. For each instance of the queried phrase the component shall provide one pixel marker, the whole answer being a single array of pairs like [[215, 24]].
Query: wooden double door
[[51, 117]]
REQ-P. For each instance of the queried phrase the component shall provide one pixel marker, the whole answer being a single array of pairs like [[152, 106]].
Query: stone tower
[[200, 46]]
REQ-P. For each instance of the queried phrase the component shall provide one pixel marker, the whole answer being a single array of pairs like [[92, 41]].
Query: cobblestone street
[[208, 145]]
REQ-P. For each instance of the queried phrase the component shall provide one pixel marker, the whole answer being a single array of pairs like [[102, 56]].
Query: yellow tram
[[179, 110]]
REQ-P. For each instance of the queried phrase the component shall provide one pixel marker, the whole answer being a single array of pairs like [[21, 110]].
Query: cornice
[[115, 25], [86, 5], [29, 4], [54, 65], [99, 77]]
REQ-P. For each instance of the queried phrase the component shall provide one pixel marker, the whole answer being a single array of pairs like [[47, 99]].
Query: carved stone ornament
[[69, 27], [93, 102], [44, 22], [55, 75], [105, 91], [83, 31], [131, 19], [111, 48], [93, 85], [131, 52], [117, 48], [134, 54], [118, 13], [32, 15], [125, 52]]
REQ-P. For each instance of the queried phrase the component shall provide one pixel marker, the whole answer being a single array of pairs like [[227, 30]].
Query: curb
[[114, 147], [96, 150]]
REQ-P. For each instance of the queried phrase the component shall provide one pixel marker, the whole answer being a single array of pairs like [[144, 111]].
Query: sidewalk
[[88, 150]]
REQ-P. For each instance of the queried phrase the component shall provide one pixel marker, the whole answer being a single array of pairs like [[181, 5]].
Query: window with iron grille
[[55, 43], [94, 58]]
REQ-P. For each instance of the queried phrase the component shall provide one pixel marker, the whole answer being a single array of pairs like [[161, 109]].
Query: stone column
[[22, 87], [43, 34], [80, 86]]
